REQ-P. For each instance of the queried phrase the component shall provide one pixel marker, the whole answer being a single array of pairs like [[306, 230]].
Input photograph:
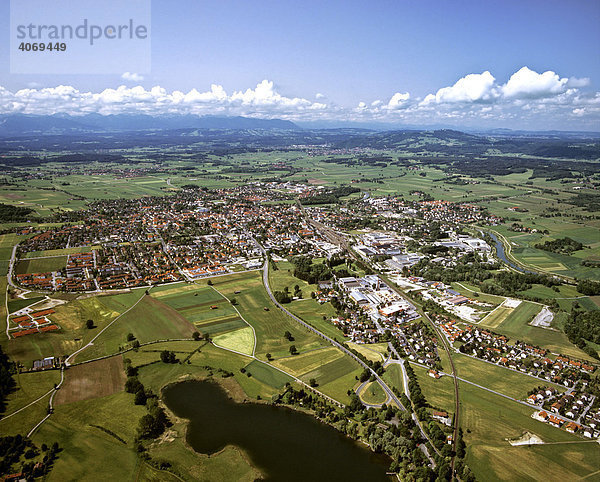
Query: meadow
[[306, 308]]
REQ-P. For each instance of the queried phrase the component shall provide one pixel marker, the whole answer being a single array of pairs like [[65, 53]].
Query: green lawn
[[373, 394]]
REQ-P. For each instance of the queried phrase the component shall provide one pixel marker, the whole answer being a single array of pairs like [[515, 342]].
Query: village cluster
[[117, 244]]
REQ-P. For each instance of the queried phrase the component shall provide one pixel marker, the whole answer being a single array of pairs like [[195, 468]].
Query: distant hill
[[16, 125]]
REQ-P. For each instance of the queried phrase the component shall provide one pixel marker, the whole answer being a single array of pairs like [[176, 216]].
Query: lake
[[284, 444]]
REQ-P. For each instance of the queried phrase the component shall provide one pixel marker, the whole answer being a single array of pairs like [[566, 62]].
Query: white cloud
[[575, 82], [527, 95], [471, 88], [398, 100], [262, 101], [528, 84], [132, 77]]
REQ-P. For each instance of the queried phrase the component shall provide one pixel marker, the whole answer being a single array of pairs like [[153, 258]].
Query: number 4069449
[[41, 47]]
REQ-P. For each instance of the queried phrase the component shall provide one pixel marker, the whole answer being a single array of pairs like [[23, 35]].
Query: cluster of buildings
[[522, 357], [192, 234], [29, 322]]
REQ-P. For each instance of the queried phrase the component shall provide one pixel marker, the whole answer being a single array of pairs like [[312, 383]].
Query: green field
[[517, 327], [58, 252], [373, 394], [41, 265], [508, 382], [149, 320], [19, 303], [241, 340], [298, 365], [270, 326], [268, 375], [307, 308], [439, 393], [374, 352], [489, 420], [496, 317], [29, 387], [71, 318]]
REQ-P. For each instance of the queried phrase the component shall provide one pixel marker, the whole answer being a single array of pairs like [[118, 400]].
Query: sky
[[524, 64]]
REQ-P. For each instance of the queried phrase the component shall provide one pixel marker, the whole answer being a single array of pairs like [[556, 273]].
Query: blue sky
[[346, 60]]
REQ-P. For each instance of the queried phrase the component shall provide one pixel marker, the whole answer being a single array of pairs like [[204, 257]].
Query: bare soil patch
[[92, 380]]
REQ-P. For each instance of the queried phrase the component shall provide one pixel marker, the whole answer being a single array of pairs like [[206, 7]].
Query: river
[[284, 444], [502, 255]]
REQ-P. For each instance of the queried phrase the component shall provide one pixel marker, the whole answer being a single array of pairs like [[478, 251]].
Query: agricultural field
[[270, 325], [374, 352], [203, 306], [41, 265], [20, 303], [267, 375], [29, 387], [241, 340], [496, 317], [523, 247], [489, 421], [298, 365], [71, 317], [148, 320], [92, 380], [508, 382], [438, 392]]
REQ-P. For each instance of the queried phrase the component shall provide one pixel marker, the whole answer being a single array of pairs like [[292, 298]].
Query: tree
[[149, 427], [269, 356], [167, 356], [209, 282], [196, 336], [133, 385], [293, 350], [234, 301], [312, 382], [288, 336], [140, 397], [89, 324], [130, 337]]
